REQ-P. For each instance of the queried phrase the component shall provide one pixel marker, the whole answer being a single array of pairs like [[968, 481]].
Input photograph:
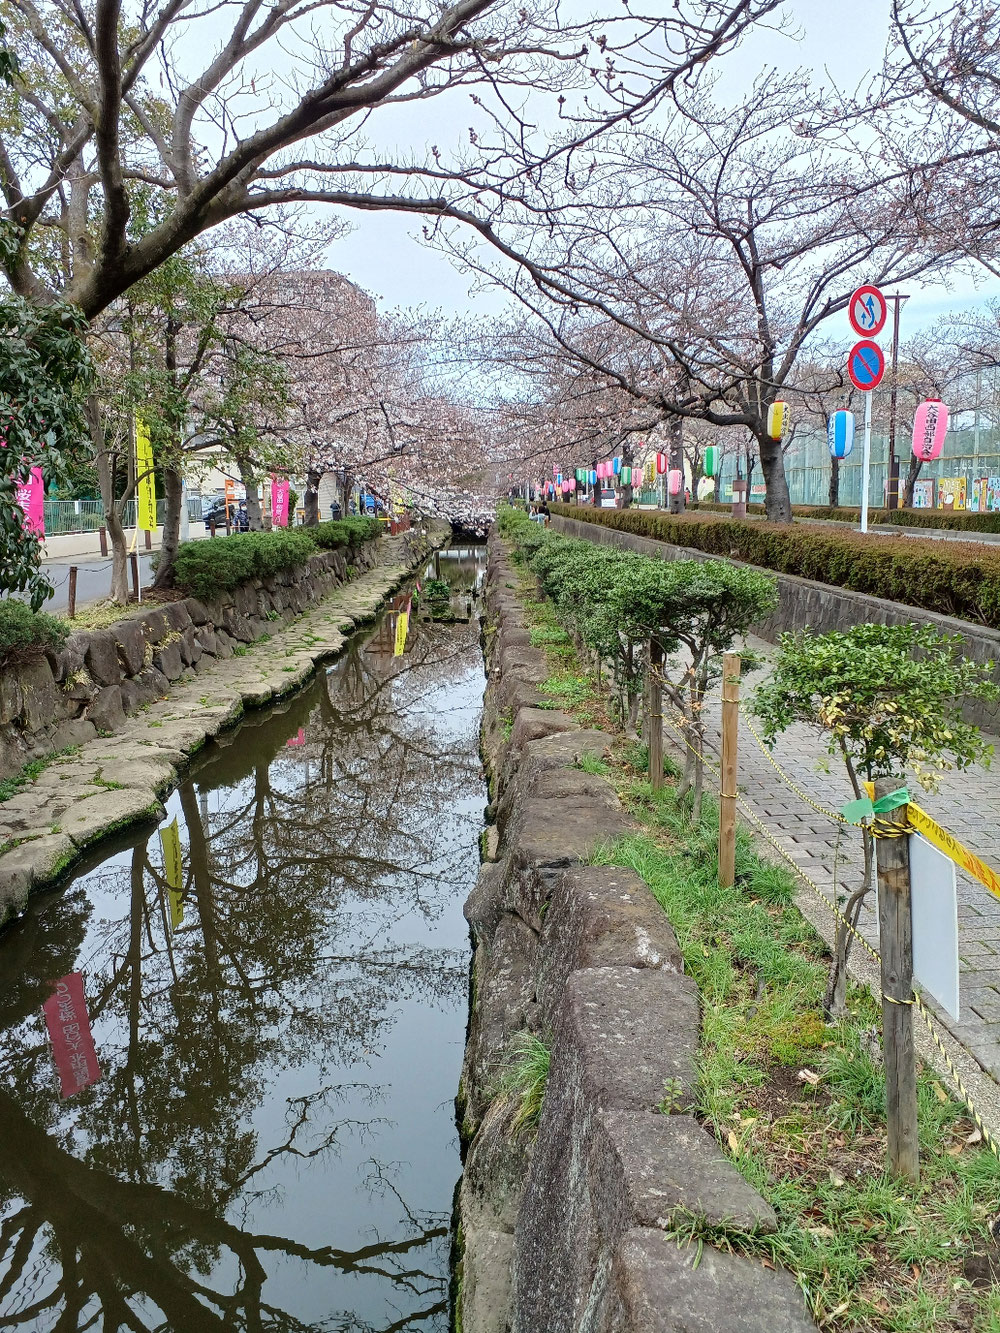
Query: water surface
[[271, 1142]]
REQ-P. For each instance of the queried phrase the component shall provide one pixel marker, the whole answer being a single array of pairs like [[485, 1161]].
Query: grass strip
[[798, 1105]]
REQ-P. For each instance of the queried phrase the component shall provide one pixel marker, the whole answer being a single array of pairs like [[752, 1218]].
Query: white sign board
[[934, 910]]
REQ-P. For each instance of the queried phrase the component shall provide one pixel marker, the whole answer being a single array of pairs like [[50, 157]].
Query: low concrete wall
[[100, 677], [819, 606], [565, 1231]]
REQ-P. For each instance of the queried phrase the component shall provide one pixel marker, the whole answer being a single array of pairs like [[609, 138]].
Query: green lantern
[[712, 460], [625, 476]]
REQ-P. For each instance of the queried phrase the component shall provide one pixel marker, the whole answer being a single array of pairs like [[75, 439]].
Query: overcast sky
[[837, 39]]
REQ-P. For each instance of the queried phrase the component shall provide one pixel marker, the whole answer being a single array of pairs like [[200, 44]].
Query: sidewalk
[[967, 804], [70, 545]]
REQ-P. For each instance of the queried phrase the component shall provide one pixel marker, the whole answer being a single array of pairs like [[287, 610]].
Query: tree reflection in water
[[271, 1145]]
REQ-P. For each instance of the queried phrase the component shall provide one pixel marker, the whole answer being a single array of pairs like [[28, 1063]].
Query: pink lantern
[[565, 488], [930, 426], [661, 464], [572, 483], [675, 480]]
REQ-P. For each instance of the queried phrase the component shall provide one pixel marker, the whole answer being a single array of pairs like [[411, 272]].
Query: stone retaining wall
[[820, 606], [100, 677], [565, 1232]]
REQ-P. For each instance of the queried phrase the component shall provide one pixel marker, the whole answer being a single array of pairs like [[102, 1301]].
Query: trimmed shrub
[[903, 518], [208, 567], [343, 532], [952, 578], [25, 634]]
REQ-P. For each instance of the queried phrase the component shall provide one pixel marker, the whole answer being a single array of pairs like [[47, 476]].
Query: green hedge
[[903, 518], [953, 578], [25, 634], [344, 532]]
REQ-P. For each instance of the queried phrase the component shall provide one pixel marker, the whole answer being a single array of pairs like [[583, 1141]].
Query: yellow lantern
[[777, 420]]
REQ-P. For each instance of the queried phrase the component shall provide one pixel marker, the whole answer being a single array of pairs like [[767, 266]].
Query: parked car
[[216, 513]]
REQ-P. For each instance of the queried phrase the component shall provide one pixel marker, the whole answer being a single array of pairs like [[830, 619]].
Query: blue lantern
[[617, 465], [840, 434], [593, 477]]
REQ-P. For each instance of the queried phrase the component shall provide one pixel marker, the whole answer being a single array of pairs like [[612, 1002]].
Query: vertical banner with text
[[173, 871], [280, 489], [145, 483], [30, 496], [72, 1041]]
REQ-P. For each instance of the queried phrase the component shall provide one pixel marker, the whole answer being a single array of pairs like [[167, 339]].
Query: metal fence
[[66, 516]]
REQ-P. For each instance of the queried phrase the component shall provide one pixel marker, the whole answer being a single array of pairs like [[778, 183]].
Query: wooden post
[[655, 716], [103, 534], [71, 609], [148, 538], [134, 561], [896, 946], [729, 775]]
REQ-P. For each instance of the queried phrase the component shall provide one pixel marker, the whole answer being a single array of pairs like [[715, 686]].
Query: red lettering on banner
[[69, 1032]]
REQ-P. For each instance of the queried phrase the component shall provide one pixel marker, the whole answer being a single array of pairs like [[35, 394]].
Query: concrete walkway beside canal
[[117, 780]]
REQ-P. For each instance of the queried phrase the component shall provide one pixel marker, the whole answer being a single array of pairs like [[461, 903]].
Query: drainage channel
[[230, 1052]]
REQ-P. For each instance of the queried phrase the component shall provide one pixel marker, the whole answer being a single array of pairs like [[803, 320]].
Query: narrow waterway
[[262, 1135]]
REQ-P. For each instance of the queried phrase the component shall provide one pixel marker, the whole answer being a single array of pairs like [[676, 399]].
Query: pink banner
[[30, 496], [279, 502], [69, 1032]]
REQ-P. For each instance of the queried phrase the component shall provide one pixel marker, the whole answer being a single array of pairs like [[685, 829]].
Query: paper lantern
[[661, 464], [625, 475], [711, 460], [616, 465], [593, 477], [777, 420], [675, 480], [930, 426], [572, 484], [840, 434], [565, 487]]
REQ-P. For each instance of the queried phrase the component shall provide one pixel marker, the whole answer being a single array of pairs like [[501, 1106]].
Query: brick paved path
[[967, 804]]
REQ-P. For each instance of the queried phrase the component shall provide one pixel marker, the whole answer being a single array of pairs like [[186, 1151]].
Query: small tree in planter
[[888, 698]]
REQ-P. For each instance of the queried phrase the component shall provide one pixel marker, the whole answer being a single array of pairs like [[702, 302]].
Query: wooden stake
[[655, 715], [728, 777], [71, 609], [103, 535], [134, 561], [148, 537], [892, 856]]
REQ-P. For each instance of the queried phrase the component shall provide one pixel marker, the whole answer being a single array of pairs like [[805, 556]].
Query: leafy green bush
[[25, 634], [343, 532], [953, 578], [207, 567]]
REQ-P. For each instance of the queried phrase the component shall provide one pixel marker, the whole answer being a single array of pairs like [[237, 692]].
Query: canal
[[236, 1108]]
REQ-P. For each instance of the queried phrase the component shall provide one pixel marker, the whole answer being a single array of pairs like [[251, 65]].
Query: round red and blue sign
[[866, 365], [867, 311]]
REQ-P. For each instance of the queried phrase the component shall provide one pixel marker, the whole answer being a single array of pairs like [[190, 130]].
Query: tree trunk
[[675, 503], [249, 479], [833, 497], [912, 473], [173, 487], [627, 491], [313, 478], [345, 485], [777, 502]]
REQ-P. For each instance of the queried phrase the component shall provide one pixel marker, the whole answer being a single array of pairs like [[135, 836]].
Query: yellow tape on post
[[946, 842]]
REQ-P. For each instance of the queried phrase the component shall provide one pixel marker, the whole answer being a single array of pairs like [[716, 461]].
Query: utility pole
[[892, 477]]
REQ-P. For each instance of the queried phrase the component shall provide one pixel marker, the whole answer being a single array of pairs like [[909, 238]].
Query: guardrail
[[67, 516]]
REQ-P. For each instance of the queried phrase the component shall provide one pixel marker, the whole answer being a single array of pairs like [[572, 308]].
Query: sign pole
[[866, 462]]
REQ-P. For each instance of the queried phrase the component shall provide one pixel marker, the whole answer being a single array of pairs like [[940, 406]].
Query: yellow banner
[[145, 483], [173, 870], [402, 624], [946, 842]]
